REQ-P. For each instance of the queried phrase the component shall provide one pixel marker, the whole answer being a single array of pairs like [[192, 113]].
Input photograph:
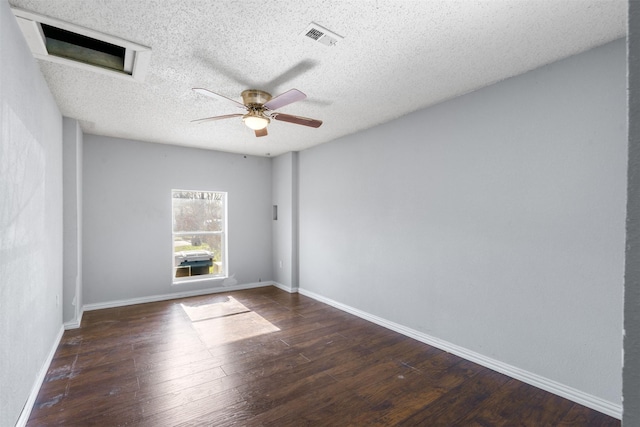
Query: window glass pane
[[197, 211], [198, 254]]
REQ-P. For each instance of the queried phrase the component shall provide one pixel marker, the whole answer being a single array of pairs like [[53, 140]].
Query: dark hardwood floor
[[266, 357]]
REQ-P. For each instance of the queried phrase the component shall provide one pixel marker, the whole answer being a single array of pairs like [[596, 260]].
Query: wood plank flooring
[[264, 357]]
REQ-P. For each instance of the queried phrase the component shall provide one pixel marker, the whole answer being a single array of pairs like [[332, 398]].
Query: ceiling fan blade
[[218, 96], [210, 119], [304, 121], [261, 132], [289, 97]]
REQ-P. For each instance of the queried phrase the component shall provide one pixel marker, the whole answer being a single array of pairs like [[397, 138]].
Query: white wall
[[285, 228], [127, 243], [72, 182], [30, 221], [631, 372], [494, 221]]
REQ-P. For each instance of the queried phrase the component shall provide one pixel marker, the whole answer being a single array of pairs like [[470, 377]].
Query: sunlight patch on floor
[[225, 307], [224, 330], [226, 321]]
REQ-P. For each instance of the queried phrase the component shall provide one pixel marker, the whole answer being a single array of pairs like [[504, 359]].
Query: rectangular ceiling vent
[[321, 35], [57, 41]]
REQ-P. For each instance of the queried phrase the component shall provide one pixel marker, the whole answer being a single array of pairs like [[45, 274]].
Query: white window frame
[[223, 241]]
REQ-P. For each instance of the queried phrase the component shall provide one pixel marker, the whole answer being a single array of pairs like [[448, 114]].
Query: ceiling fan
[[260, 109]]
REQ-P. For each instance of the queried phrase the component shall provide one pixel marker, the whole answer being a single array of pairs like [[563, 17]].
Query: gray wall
[[72, 182], [127, 244], [30, 220], [494, 221], [285, 241], [631, 372]]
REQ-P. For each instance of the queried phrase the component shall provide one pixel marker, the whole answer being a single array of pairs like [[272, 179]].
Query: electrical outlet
[[57, 300], [280, 263]]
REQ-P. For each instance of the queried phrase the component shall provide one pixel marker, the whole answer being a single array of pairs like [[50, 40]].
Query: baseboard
[[588, 400], [176, 295], [37, 384], [285, 288], [75, 323]]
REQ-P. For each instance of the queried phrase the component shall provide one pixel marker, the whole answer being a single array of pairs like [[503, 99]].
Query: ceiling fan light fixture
[[255, 122]]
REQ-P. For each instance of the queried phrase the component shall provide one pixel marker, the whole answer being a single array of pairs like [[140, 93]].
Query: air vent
[[314, 33], [57, 41], [321, 35]]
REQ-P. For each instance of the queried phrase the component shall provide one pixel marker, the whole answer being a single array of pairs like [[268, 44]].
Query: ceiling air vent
[[57, 41], [321, 35]]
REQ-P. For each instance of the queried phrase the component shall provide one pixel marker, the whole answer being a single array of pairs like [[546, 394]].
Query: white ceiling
[[397, 56]]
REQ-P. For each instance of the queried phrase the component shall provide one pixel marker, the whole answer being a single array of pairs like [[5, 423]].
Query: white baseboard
[[165, 297], [588, 400], [37, 384], [75, 323], [285, 288]]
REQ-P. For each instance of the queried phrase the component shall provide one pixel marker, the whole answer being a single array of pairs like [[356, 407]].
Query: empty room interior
[[319, 213]]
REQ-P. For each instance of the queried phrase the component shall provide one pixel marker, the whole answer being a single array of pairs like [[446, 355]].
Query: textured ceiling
[[397, 56]]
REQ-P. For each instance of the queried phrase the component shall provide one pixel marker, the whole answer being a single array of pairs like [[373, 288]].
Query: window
[[199, 234]]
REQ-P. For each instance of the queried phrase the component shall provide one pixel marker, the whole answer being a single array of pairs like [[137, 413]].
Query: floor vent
[[57, 41], [321, 35]]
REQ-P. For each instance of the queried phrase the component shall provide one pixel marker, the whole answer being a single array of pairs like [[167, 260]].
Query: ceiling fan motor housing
[[255, 96]]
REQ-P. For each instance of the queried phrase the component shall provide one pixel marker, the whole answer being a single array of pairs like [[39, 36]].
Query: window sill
[[195, 279]]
